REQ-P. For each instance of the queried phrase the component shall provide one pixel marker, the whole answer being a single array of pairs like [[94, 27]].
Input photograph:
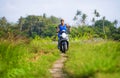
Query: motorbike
[[64, 41]]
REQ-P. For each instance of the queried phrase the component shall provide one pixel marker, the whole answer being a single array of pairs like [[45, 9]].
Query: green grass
[[33, 59], [89, 59]]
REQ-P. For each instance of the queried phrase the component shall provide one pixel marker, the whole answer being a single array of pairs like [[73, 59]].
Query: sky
[[66, 9]]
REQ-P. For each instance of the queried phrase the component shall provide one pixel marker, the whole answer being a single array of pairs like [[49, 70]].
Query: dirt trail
[[57, 69]]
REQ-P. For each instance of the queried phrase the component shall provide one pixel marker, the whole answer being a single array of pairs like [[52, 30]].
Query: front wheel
[[64, 47]]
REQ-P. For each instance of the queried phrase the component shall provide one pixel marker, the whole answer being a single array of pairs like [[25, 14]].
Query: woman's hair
[[62, 20]]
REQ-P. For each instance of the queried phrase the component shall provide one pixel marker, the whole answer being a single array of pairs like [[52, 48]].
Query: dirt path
[[57, 69]]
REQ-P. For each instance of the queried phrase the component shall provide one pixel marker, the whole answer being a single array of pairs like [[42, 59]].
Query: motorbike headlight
[[64, 35]]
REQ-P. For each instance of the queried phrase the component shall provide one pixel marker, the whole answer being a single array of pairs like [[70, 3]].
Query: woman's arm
[[68, 26]]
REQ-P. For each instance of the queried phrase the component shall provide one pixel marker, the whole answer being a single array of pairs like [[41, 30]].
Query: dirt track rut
[[57, 68]]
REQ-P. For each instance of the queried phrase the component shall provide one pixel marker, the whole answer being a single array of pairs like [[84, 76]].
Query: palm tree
[[104, 25], [44, 15], [77, 17], [93, 20], [97, 14], [78, 13], [84, 16], [115, 23]]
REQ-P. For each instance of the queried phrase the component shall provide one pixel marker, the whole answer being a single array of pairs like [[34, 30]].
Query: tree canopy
[[44, 26]]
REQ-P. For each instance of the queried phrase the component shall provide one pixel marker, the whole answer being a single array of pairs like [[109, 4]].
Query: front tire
[[64, 47]]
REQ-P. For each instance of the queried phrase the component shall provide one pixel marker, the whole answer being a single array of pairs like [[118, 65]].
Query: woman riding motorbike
[[62, 26]]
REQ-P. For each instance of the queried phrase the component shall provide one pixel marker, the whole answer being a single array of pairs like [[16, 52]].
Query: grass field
[[20, 59], [90, 59], [33, 58]]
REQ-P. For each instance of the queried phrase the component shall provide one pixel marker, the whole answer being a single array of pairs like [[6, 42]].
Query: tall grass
[[93, 60], [27, 60]]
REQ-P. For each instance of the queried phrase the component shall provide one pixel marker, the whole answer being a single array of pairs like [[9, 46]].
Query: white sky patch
[[13, 9]]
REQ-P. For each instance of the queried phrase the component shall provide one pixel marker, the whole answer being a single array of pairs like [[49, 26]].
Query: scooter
[[64, 41]]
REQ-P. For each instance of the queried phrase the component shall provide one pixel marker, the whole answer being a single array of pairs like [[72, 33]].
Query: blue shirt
[[61, 28]]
